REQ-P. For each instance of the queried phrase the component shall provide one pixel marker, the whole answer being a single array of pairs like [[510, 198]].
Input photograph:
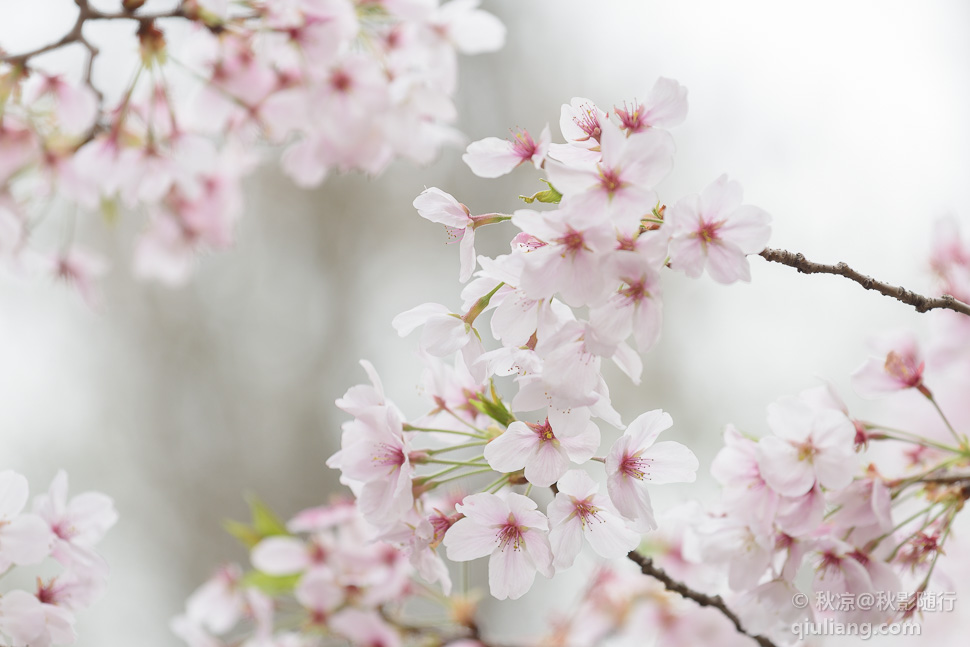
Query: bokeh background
[[846, 121]]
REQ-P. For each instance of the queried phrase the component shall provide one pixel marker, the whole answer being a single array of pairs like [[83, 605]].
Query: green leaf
[[549, 196], [246, 535], [272, 585], [265, 522]]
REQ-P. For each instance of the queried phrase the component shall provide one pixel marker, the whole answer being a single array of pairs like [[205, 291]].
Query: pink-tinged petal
[[781, 468], [566, 539], [406, 322], [485, 509], [632, 501], [91, 514], [613, 143], [666, 104], [364, 628], [684, 217], [280, 556], [437, 206], [647, 324], [628, 361], [443, 335], [687, 255], [13, 494], [720, 198], [872, 380], [802, 515], [217, 604], [835, 471], [542, 147], [546, 464], [26, 540], [581, 447], [510, 451], [303, 163], [318, 591], [510, 573], [466, 540], [525, 510], [384, 501], [670, 462], [466, 250], [538, 548], [22, 617], [571, 180], [491, 157], [577, 484], [643, 431], [726, 263], [646, 158], [610, 537], [791, 419], [748, 228]]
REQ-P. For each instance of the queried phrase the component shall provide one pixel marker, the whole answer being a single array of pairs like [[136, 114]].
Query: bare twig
[[647, 567], [918, 301]]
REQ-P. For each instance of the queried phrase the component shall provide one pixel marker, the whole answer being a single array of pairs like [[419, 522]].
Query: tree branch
[[918, 301], [647, 567]]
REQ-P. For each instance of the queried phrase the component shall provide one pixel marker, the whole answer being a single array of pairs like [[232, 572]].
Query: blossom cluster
[[581, 283], [865, 507], [346, 85], [320, 577], [62, 528]]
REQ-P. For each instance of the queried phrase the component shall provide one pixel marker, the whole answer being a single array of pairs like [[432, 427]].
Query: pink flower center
[[708, 232], [388, 455], [635, 466], [586, 511], [510, 534], [523, 145], [635, 291], [631, 119], [543, 430], [610, 180], [904, 368], [572, 241], [589, 123], [341, 81], [64, 531]]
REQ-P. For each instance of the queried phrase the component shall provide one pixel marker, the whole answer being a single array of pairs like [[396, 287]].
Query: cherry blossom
[[636, 459], [579, 511], [493, 157], [511, 531], [545, 448], [714, 231]]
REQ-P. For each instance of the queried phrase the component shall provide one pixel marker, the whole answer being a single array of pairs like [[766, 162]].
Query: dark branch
[[647, 567], [918, 301]]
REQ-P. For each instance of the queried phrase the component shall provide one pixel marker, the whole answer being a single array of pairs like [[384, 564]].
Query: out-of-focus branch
[[76, 34], [918, 301], [647, 567]]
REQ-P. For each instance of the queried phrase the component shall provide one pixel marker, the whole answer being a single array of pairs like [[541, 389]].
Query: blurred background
[[846, 121]]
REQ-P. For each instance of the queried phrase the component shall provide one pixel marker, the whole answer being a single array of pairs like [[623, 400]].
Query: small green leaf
[[246, 535], [265, 522], [272, 585], [549, 196]]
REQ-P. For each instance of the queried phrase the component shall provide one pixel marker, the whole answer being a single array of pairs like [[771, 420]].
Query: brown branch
[[918, 301], [647, 567]]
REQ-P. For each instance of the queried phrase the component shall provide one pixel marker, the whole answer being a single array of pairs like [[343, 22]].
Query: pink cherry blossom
[[636, 459], [715, 231], [635, 308], [219, 603], [621, 183], [579, 511], [745, 492], [664, 107], [545, 448], [899, 366], [511, 531], [808, 445], [437, 206], [24, 538], [493, 157]]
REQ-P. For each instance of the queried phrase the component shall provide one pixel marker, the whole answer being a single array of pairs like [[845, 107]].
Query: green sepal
[[494, 408]]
